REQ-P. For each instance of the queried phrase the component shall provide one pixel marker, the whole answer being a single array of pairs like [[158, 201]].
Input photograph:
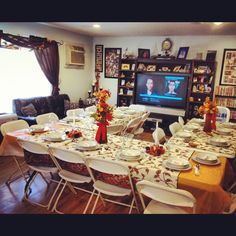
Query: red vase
[[213, 122], [101, 135], [207, 125]]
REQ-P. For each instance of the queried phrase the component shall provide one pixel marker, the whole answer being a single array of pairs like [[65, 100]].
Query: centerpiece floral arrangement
[[209, 108], [103, 115]]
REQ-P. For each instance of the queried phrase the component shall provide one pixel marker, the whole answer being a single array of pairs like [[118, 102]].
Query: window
[[20, 77]]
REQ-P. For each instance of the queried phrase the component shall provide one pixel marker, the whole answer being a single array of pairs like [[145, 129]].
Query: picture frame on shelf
[[112, 62], [151, 68], [99, 58], [182, 53], [228, 68], [211, 55], [122, 82], [125, 66], [143, 53]]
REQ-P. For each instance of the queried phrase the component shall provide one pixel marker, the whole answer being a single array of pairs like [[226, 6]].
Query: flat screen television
[[161, 89]]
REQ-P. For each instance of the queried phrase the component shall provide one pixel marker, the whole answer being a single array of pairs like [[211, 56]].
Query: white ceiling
[[147, 28]]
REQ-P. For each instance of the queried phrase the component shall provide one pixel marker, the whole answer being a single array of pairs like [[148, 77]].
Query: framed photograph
[[143, 53], [99, 58], [183, 52], [122, 82], [211, 55], [112, 62], [125, 67], [228, 69]]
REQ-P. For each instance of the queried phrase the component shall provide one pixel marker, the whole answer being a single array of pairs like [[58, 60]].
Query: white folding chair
[[174, 127], [138, 107], [159, 135], [165, 200], [132, 126], [37, 148], [181, 121], [11, 126], [46, 118], [75, 112], [115, 129], [223, 114], [140, 128], [91, 109], [68, 176], [114, 168]]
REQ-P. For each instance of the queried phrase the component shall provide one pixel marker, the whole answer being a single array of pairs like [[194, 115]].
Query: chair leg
[[58, 197], [50, 201], [95, 204], [231, 187], [131, 206], [89, 202]]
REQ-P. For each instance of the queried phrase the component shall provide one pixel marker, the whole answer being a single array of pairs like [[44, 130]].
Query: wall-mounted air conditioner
[[75, 55]]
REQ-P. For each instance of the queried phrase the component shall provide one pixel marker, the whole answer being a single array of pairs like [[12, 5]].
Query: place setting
[[218, 141], [205, 158], [178, 164], [128, 154], [55, 137], [223, 131], [38, 129]]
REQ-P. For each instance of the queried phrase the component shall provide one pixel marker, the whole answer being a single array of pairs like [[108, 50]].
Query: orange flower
[[208, 107]]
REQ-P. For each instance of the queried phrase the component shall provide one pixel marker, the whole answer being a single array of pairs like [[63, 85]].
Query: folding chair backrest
[[133, 125], [46, 118], [174, 127], [76, 112], [33, 147], [91, 109], [14, 125], [158, 135], [106, 166], [66, 155], [166, 195], [115, 129], [181, 121], [137, 107]]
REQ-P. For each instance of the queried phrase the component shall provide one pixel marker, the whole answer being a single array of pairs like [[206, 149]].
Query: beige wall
[[74, 82], [196, 44]]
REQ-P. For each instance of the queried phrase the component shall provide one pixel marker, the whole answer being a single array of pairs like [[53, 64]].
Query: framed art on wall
[[112, 62], [99, 58], [228, 69]]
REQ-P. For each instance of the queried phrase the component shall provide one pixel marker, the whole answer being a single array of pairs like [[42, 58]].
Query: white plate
[[198, 121], [192, 127], [206, 157], [223, 131], [87, 149], [37, 128], [178, 162], [183, 134], [122, 108], [218, 144], [71, 119], [218, 140], [131, 153], [229, 125], [87, 145], [55, 137], [130, 112], [126, 158], [166, 165], [194, 158]]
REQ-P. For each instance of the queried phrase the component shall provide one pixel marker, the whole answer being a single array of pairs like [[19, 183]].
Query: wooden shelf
[[197, 102], [196, 73], [201, 83], [225, 96], [127, 70], [125, 95], [122, 86], [201, 93]]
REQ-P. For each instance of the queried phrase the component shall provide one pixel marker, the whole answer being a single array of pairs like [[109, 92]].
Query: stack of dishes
[[224, 131], [229, 125], [55, 137], [217, 141], [37, 128], [206, 158], [183, 134], [71, 118], [130, 155], [198, 121], [177, 164], [192, 127], [87, 145]]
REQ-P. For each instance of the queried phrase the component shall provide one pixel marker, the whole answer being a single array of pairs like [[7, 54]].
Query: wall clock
[[166, 46]]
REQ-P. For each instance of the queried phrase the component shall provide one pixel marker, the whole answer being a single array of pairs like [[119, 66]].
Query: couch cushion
[[70, 105], [29, 110]]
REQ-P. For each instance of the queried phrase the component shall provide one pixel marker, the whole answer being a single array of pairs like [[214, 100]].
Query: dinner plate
[[194, 158], [178, 162], [198, 121], [127, 158], [218, 144], [55, 137], [192, 127], [130, 112], [122, 108], [130, 153], [71, 119], [166, 165], [87, 145], [183, 134], [229, 125], [218, 140], [223, 131], [38, 129], [206, 157]]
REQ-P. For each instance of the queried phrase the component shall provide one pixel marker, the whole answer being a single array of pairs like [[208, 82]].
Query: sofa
[[28, 108]]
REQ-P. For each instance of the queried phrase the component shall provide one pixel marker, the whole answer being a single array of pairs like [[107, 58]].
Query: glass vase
[[207, 125], [101, 135]]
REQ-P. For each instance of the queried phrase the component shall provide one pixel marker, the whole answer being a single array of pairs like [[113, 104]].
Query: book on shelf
[[225, 90], [227, 102]]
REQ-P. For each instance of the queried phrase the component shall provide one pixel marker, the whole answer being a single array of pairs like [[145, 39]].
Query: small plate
[[38, 129], [126, 158], [229, 125], [194, 158], [166, 165], [183, 134], [219, 144], [130, 153], [206, 157], [55, 139], [223, 131], [87, 145]]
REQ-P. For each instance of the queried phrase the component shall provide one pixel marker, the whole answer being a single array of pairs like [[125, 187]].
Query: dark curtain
[[48, 59], [46, 52]]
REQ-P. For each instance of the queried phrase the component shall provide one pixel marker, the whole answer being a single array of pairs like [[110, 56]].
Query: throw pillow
[[29, 110]]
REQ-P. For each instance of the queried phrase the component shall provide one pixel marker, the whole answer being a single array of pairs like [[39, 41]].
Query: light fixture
[[96, 26], [218, 23]]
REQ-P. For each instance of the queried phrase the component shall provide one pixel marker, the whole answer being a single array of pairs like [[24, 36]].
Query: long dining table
[[206, 187]]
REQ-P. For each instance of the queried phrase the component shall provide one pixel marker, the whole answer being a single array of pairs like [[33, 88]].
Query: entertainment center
[[168, 87]]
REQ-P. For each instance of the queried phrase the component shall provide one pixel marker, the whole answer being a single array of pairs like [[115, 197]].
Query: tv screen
[[161, 90]]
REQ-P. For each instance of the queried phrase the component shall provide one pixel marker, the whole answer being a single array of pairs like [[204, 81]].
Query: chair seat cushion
[[74, 178]]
